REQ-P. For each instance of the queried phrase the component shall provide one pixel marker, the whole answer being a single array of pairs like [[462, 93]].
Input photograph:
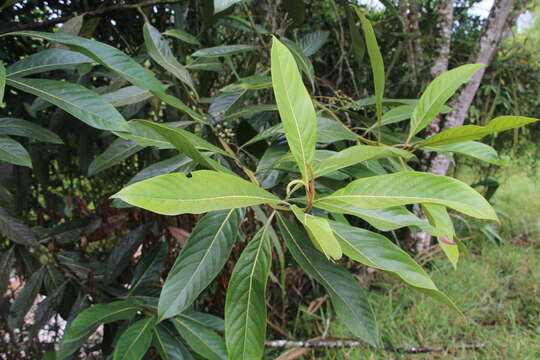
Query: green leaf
[[296, 11], [126, 96], [204, 191], [356, 154], [295, 107], [161, 167], [439, 218], [121, 255], [376, 60], [437, 93], [19, 127], [254, 82], [202, 340], [410, 187], [183, 141], [375, 250], [203, 256], [25, 299], [75, 99], [159, 50], [13, 152], [15, 230], [135, 341], [47, 60], [89, 320], [178, 104], [225, 102], [473, 149], [358, 44], [205, 319], [221, 5], [116, 153], [6, 262], [320, 233], [301, 59], [223, 50], [183, 36], [313, 41], [104, 54], [148, 268], [474, 132], [168, 343], [330, 131], [2, 82], [245, 303], [348, 298]]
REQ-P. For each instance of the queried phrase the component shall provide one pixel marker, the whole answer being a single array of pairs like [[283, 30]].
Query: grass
[[496, 286]]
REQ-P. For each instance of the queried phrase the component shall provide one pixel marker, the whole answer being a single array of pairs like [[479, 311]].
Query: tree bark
[[411, 24]]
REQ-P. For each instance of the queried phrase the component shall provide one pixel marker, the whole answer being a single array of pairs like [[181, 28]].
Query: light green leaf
[[221, 5], [245, 303], [377, 251], [19, 127], [72, 26], [2, 82], [350, 301], [473, 149], [182, 35], [295, 107], [474, 132], [437, 93], [356, 154], [320, 233], [13, 152], [202, 257], [159, 50], [88, 321], [223, 50], [127, 95], [439, 218], [75, 99], [313, 41], [330, 131], [104, 54], [116, 153], [301, 59], [376, 60], [47, 60], [135, 341], [204, 191], [402, 188], [201, 339]]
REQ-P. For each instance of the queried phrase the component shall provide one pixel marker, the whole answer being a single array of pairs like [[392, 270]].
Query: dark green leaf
[[135, 341], [19, 127], [313, 41], [203, 256], [223, 50], [116, 153], [47, 60], [149, 267], [202, 340], [15, 230], [13, 152], [168, 343], [127, 95], [122, 253], [25, 299], [182, 35]]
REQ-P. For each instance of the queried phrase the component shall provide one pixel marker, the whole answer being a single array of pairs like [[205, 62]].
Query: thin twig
[[354, 343]]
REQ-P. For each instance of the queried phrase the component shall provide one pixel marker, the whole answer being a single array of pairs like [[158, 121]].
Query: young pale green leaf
[[127, 95], [295, 107], [135, 341], [104, 54], [357, 154], [320, 233], [223, 50], [159, 50], [439, 218], [377, 251], [88, 321], [2, 82], [116, 153], [301, 59], [202, 340], [19, 127], [410, 187], [13, 152], [203, 256], [245, 303], [313, 41], [437, 93], [474, 132], [169, 344], [47, 60], [25, 299], [182, 35], [376, 60], [75, 99], [14, 229], [348, 298], [184, 142], [473, 149]]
